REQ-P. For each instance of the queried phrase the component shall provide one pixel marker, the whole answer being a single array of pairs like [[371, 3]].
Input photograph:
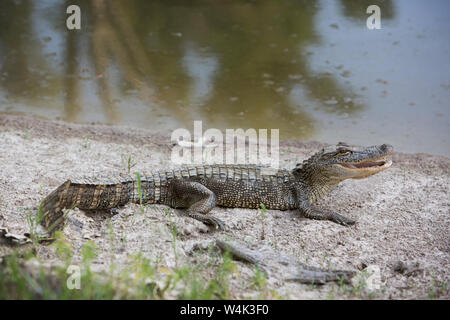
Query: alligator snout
[[386, 148]]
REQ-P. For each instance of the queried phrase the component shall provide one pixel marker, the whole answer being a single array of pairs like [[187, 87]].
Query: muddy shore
[[402, 213]]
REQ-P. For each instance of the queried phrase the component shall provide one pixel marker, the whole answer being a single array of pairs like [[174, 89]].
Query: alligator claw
[[217, 223], [336, 217]]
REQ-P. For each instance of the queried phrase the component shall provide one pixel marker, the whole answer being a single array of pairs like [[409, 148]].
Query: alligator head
[[343, 161]]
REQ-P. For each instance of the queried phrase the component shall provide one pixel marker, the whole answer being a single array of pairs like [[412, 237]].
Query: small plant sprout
[[33, 221], [437, 289], [86, 143], [262, 217], [64, 248], [173, 230], [259, 282], [130, 163], [138, 176]]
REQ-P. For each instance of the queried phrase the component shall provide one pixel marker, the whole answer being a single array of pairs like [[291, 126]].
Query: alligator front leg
[[321, 214], [198, 199]]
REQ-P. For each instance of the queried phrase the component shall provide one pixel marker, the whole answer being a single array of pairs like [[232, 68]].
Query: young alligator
[[199, 189]]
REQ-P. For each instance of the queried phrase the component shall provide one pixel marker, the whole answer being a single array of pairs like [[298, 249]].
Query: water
[[309, 68]]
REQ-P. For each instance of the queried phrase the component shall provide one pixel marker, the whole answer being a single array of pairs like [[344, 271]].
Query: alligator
[[199, 189]]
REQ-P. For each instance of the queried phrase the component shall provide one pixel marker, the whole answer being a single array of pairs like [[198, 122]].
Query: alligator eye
[[345, 152]]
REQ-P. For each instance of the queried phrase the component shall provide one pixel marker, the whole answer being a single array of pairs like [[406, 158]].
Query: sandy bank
[[402, 213]]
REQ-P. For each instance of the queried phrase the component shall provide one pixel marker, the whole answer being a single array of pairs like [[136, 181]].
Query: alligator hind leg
[[198, 199]]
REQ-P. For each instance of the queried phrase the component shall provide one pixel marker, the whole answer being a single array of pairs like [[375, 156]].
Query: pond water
[[309, 68]]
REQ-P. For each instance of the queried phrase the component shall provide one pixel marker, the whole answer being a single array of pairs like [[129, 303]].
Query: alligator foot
[[336, 217], [319, 214], [210, 221]]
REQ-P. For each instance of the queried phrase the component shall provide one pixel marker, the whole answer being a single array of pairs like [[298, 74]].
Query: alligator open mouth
[[379, 164]]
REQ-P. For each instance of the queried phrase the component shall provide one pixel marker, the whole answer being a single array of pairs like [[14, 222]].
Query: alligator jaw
[[370, 165]]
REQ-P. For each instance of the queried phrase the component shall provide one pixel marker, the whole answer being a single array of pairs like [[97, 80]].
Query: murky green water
[[310, 68]]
